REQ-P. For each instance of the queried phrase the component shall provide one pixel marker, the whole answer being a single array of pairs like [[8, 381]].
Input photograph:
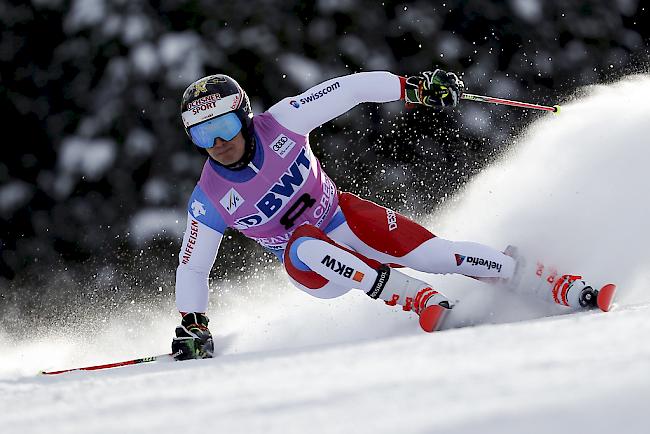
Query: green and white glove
[[434, 89], [193, 339]]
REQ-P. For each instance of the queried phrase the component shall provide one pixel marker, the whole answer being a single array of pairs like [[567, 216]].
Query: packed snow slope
[[572, 191]]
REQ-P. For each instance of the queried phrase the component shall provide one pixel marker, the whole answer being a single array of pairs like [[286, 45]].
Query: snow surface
[[572, 191]]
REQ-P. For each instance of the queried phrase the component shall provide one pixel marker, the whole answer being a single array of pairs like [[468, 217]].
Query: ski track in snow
[[572, 191]]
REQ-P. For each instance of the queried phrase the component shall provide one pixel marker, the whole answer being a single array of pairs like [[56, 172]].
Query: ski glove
[[193, 339], [434, 89]]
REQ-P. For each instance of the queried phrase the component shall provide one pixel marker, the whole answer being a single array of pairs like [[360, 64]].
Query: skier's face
[[228, 152]]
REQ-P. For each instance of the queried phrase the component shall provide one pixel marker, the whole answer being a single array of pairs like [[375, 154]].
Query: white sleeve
[[197, 256], [322, 103]]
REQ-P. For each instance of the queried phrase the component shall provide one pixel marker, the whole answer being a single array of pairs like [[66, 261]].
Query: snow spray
[[572, 191]]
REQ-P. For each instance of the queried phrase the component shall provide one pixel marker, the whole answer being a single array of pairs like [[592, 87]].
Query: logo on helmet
[[201, 86], [203, 101], [235, 102], [294, 103]]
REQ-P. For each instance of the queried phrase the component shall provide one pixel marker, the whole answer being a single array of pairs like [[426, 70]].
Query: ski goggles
[[225, 127]]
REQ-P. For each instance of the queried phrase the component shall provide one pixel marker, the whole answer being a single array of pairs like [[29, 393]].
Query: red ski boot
[[396, 287]]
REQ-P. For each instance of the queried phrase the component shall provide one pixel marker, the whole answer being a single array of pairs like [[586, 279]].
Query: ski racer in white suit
[[262, 179]]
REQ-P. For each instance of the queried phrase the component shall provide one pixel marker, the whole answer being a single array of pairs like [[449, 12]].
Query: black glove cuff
[[195, 319]]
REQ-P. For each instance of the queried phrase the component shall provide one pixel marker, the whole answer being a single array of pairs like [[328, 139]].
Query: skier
[[262, 179]]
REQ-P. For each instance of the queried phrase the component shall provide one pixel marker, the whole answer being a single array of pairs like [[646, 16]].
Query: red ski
[[605, 297]]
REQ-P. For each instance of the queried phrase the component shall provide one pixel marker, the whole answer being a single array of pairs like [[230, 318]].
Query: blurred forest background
[[96, 170]]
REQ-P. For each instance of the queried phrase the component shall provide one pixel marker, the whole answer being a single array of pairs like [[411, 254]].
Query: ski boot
[[193, 338], [587, 296], [567, 290], [395, 287]]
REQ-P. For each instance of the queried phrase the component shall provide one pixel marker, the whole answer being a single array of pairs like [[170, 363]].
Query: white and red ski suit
[[329, 241]]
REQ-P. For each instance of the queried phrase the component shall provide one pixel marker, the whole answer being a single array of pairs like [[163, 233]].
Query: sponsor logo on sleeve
[[191, 242], [294, 103], [198, 208], [316, 95], [282, 145], [231, 201]]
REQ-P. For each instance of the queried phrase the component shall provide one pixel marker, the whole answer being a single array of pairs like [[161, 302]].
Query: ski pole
[[116, 364], [489, 99]]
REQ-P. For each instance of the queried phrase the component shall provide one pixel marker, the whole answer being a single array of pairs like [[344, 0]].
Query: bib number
[[296, 210]]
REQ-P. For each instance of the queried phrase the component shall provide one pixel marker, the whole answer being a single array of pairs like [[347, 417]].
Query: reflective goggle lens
[[226, 127]]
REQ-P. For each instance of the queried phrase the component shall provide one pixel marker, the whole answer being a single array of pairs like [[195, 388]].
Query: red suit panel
[[381, 228]]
